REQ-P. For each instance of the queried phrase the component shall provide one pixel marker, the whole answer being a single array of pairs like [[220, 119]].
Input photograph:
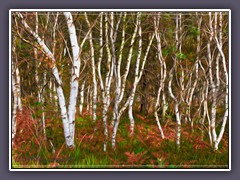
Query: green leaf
[[165, 52], [37, 103], [139, 150], [181, 56], [195, 31], [33, 116]]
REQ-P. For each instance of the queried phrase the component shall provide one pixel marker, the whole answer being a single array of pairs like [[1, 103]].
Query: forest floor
[[144, 149]]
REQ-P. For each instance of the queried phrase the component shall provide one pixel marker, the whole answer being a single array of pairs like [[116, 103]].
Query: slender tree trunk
[[16, 89], [15, 105], [113, 37], [138, 75], [94, 103], [43, 104], [176, 103], [225, 117], [37, 63], [193, 87], [213, 87], [205, 105], [81, 97], [162, 71], [54, 52], [88, 98], [18, 86]]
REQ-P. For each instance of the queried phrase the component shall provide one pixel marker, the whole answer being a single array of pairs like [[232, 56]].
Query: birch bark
[[17, 105], [94, 79], [213, 87], [162, 71], [75, 73], [61, 97], [137, 78], [224, 63], [113, 37], [81, 97], [176, 103]]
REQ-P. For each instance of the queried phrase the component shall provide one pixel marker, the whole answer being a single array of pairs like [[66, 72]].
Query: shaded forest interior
[[120, 89]]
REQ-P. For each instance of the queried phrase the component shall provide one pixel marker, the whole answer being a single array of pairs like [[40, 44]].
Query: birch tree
[[61, 97], [105, 87], [94, 79], [176, 102], [218, 38], [162, 71], [196, 66], [17, 104], [137, 78], [82, 97], [120, 88]]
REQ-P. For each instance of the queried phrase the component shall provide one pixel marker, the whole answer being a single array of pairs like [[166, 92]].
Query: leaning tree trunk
[[225, 117], [61, 97]]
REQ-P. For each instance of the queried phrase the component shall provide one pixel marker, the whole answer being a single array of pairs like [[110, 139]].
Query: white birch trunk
[[42, 103], [136, 78], [104, 87], [138, 75], [88, 99], [81, 97], [205, 105], [54, 51], [61, 98], [214, 93], [94, 100], [91, 102], [113, 36], [225, 117], [18, 83], [176, 103], [55, 95], [124, 78], [190, 97], [14, 88], [164, 105], [75, 73], [120, 88], [119, 62], [37, 64], [162, 72], [17, 104]]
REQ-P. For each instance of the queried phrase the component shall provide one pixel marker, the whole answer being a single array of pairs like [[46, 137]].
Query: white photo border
[[115, 10]]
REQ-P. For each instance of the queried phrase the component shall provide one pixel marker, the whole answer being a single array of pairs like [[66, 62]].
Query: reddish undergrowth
[[91, 138]]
